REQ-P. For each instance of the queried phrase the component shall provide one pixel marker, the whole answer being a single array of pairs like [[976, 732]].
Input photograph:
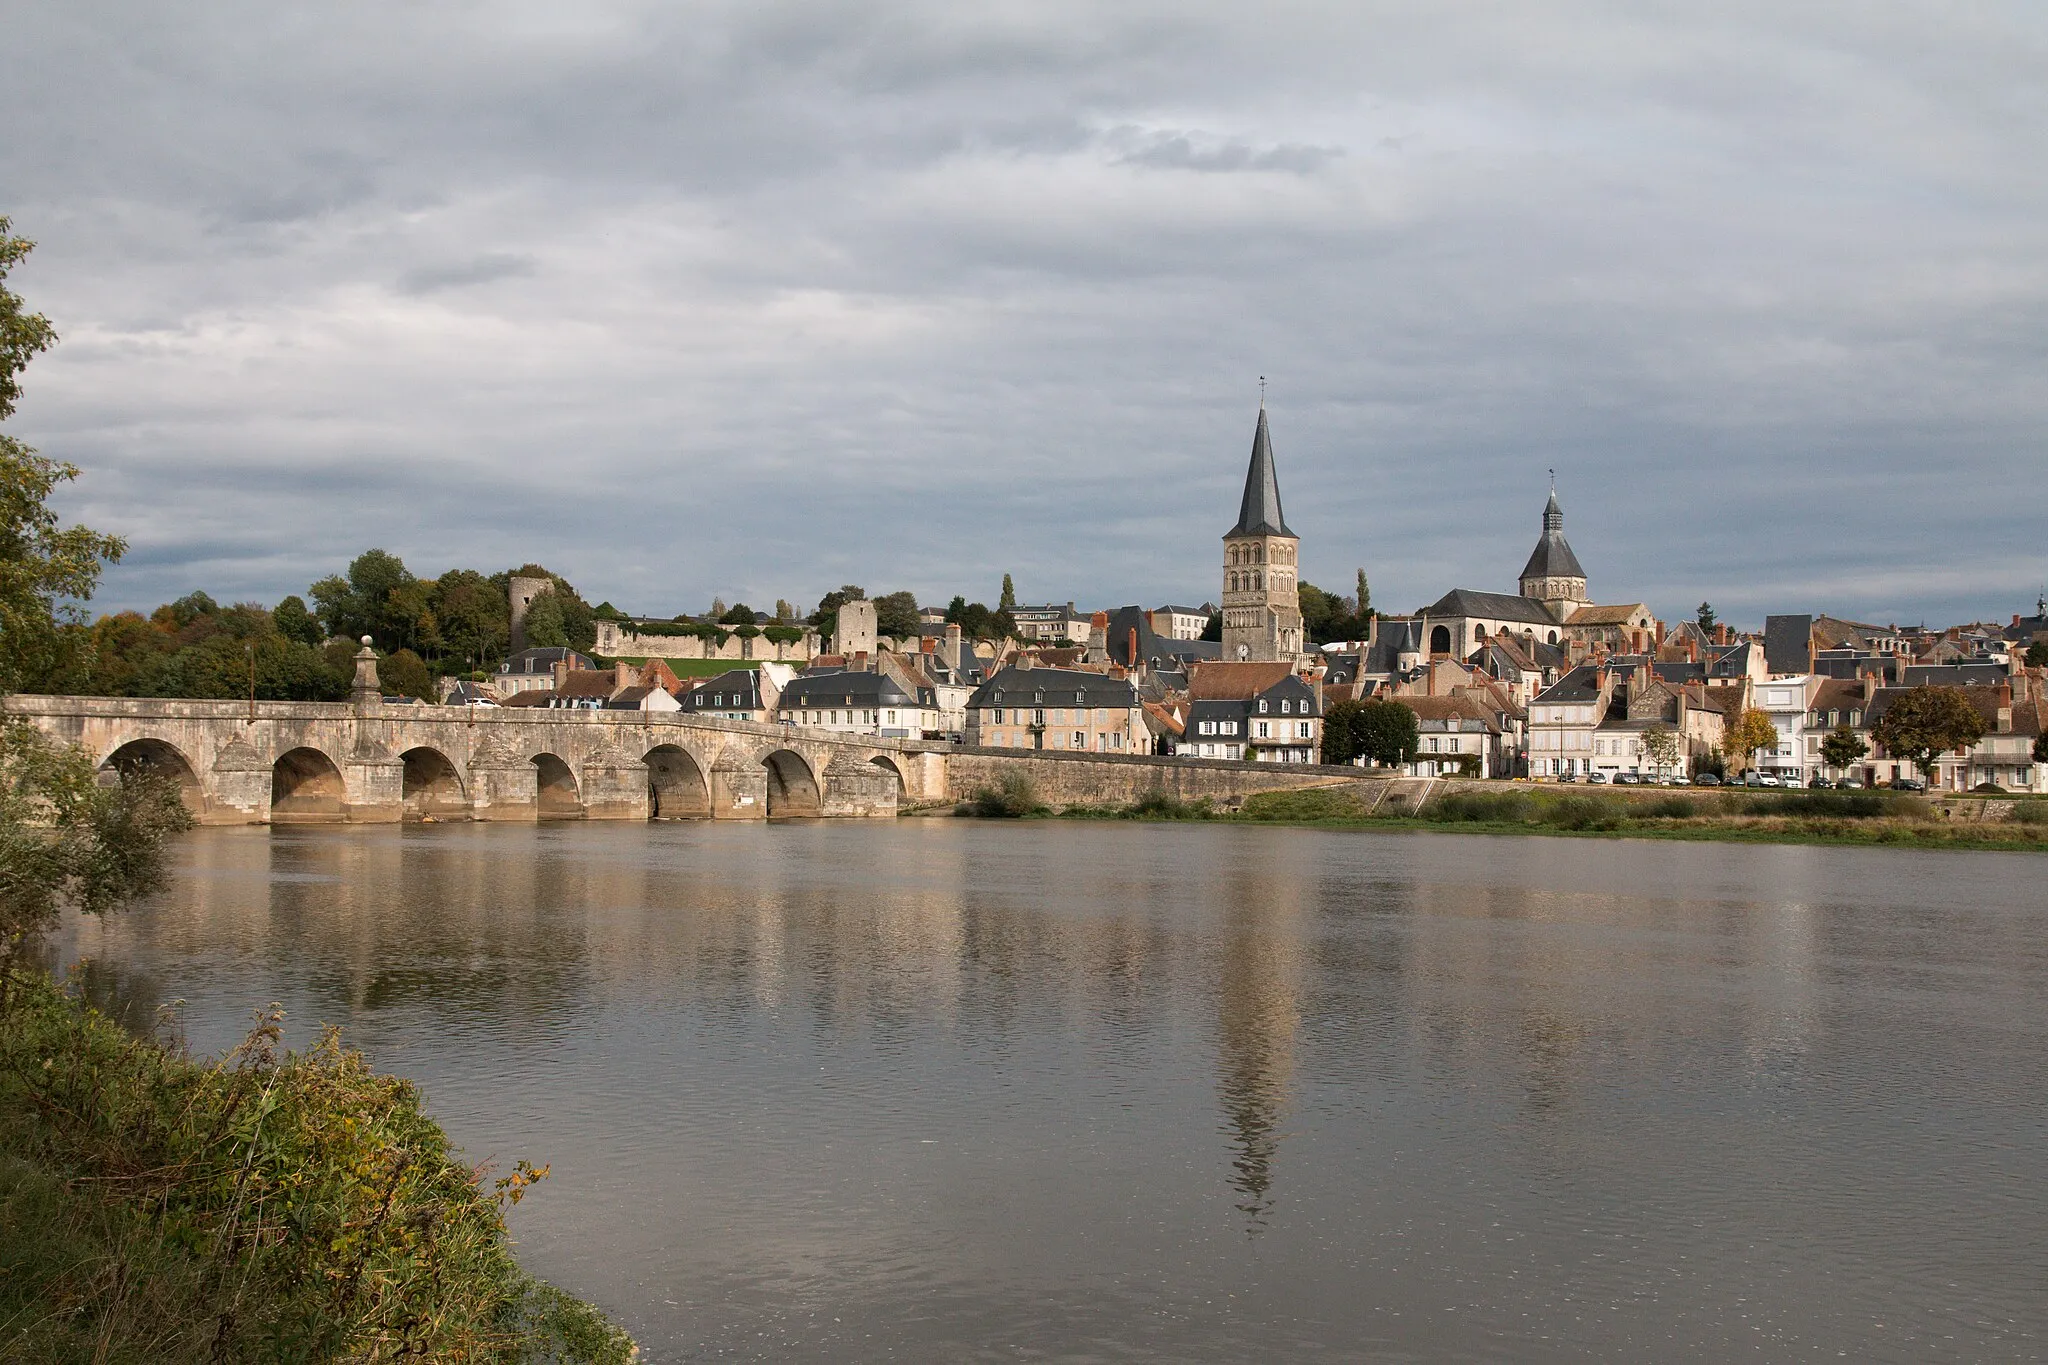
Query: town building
[[1259, 712], [537, 669], [1051, 623], [1181, 623], [1261, 586], [1078, 710], [860, 702]]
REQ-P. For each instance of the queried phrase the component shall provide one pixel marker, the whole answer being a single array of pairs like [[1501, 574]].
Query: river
[[955, 1090]]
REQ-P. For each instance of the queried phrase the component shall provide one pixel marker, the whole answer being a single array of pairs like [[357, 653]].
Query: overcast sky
[[752, 299]]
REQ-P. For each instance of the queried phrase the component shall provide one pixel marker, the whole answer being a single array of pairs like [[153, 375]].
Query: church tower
[[1261, 590], [1553, 576]]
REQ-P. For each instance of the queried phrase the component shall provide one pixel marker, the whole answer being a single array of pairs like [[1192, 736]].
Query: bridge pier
[[615, 787], [739, 788], [376, 790], [854, 787]]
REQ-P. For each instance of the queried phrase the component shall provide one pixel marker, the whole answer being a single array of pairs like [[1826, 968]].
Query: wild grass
[[1011, 798], [269, 1206], [1307, 804]]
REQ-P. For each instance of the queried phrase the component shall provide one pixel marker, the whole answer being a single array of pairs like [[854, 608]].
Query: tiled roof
[[1606, 616], [1218, 680]]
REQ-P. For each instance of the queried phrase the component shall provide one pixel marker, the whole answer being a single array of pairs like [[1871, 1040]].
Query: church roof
[[1259, 514], [1553, 557], [1493, 606]]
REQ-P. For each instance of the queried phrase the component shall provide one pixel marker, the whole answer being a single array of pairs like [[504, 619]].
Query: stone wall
[[616, 641], [1066, 779]]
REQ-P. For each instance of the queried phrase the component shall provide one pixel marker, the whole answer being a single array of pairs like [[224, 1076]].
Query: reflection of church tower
[[1256, 1022], [1553, 576], [1261, 592]]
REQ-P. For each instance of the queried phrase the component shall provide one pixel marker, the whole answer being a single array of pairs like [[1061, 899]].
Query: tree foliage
[[46, 567], [1660, 746], [2037, 654], [1706, 619], [1008, 601], [1326, 616], [1383, 731], [1925, 722], [896, 616], [1748, 731], [1842, 747], [739, 614]]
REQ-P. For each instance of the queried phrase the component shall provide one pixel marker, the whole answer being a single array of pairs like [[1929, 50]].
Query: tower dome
[[1553, 576]]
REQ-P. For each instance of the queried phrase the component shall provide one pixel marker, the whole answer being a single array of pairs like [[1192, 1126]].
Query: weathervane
[[1262, 391], [1553, 482]]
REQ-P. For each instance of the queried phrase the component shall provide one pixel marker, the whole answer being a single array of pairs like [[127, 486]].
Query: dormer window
[[1262, 707]]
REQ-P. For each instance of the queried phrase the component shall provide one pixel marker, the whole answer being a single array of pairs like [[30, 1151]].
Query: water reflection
[[839, 1090]]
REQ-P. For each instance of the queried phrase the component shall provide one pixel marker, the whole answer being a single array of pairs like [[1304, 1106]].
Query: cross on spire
[[1262, 391]]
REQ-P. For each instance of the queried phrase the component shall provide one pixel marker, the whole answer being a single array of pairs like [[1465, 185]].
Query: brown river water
[[940, 1090]]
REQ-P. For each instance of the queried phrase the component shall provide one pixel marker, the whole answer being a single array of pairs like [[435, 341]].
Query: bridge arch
[[555, 790], [676, 789], [157, 757], [306, 788], [432, 785], [792, 786], [888, 765]]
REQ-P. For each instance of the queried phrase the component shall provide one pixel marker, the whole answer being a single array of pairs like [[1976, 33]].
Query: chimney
[[2005, 708], [954, 645], [561, 673], [622, 676]]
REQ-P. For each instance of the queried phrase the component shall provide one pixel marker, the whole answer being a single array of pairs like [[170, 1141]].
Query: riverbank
[[271, 1205], [1851, 818]]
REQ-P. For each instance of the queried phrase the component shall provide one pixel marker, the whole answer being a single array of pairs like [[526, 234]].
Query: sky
[[748, 300]]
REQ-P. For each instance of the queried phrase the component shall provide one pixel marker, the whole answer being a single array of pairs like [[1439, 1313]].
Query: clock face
[[1244, 651]]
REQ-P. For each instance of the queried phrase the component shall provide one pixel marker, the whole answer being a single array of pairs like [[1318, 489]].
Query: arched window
[[1255, 580], [1440, 640]]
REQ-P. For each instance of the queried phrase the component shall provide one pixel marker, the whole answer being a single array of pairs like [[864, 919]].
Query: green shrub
[[1669, 808], [2030, 812], [1583, 812], [1865, 805], [269, 1206], [1010, 798], [1510, 807], [1160, 805]]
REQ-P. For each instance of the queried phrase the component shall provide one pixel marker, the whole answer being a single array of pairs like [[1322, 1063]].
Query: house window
[[1262, 707], [892, 718], [1303, 730], [1432, 743], [1264, 730], [1283, 706], [1038, 717], [999, 715], [1080, 739], [1454, 745]]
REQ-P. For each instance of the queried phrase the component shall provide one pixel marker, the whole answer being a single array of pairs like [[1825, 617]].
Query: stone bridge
[[368, 762]]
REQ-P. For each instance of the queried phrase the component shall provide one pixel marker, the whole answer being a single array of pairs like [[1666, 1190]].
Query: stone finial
[[367, 691]]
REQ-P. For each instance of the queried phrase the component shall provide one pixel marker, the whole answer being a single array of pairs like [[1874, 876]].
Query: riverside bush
[[1010, 798], [1864, 805], [1161, 805], [1312, 803], [269, 1206], [2029, 813]]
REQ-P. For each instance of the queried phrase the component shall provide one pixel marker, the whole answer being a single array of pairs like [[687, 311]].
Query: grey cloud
[[485, 269], [783, 295], [1180, 151]]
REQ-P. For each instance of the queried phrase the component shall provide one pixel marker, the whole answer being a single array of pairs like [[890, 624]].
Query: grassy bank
[[1787, 817], [269, 1206]]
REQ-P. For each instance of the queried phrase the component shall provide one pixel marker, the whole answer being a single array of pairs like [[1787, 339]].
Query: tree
[[1660, 746], [1008, 601], [955, 608], [739, 614], [403, 673], [1362, 605], [2037, 654], [1707, 619], [1384, 731], [1842, 748], [474, 615], [46, 568], [1340, 740], [784, 612], [1925, 722], [896, 616], [546, 626], [1214, 629], [1748, 732], [826, 617], [294, 622], [2041, 747]]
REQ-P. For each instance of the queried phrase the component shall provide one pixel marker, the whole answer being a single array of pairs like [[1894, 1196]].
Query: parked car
[[1681, 780], [1851, 784], [1569, 777], [1766, 779], [1627, 780], [1597, 779], [1908, 784], [1706, 780], [1820, 782]]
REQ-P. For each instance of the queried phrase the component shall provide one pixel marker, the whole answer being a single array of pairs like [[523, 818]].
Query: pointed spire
[[1259, 514]]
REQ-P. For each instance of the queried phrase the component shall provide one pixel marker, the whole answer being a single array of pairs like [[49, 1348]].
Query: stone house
[[859, 702], [1078, 710], [1272, 714]]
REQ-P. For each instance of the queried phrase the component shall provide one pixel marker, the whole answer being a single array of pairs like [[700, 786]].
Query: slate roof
[[1955, 675], [1553, 557], [1607, 616], [1014, 686], [1493, 606], [1259, 514], [1582, 684], [542, 659], [844, 689], [739, 688], [1788, 643]]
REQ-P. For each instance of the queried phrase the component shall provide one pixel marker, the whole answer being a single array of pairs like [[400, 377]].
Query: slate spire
[[1259, 514]]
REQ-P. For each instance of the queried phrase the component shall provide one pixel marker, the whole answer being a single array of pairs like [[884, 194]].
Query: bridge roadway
[[367, 762]]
